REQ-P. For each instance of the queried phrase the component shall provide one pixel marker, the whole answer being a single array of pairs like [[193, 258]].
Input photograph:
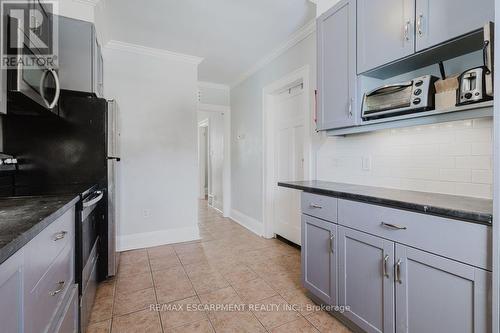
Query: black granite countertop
[[22, 218], [456, 207]]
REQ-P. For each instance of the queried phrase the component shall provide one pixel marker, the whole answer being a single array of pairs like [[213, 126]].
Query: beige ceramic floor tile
[[137, 268], [164, 262], [298, 297], [325, 322], [106, 289], [137, 322], [134, 301], [254, 290], [134, 282], [172, 284], [182, 312], [274, 311], [203, 326], [101, 327], [297, 326], [241, 322], [160, 251], [102, 309], [133, 257]]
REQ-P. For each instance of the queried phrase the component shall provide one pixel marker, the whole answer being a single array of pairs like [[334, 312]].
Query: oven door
[[389, 97]]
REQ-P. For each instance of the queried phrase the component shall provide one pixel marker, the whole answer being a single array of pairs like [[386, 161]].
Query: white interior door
[[288, 161]]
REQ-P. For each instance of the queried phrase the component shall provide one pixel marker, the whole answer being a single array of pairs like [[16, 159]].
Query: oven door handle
[[390, 88], [93, 201]]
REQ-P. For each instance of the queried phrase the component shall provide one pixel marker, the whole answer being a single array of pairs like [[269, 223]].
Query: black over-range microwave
[[34, 74]]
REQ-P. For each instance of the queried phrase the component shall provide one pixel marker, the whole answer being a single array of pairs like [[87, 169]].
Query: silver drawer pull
[[332, 238], [384, 267], [398, 272], [311, 205], [60, 235], [392, 226], [61, 288]]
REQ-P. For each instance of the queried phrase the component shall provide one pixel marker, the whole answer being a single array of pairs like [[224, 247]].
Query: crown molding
[[211, 85], [293, 40], [91, 3], [153, 52]]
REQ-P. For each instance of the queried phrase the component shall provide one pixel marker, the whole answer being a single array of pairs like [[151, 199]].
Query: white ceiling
[[232, 35]]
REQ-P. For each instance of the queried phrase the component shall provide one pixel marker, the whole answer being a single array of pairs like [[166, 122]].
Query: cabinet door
[[385, 31], [11, 294], [336, 66], [434, 294], [319, 258], [438, 21], [366, 280]]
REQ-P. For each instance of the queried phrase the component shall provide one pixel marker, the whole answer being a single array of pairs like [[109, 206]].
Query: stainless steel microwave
[[37, 81]]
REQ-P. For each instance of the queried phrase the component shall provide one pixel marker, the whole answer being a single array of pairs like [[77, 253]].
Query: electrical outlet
[[146, 213], [366, 163]]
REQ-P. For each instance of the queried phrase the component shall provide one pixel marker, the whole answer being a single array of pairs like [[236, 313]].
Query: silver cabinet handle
[[407, 30], [60, 235], [419, 25], [311, 205], [398, 272], [384, 266], [392, 226], [350, 108], [57, 291], [332, 239]]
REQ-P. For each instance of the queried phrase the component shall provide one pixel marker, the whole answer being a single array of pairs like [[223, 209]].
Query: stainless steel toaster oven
[[401, 98]]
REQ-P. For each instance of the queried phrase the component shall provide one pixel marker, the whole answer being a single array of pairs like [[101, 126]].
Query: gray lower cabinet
[[435, 294], [439, 21], [366, 280], [319, 258], [385, 32], [11, 294], [336, 99]]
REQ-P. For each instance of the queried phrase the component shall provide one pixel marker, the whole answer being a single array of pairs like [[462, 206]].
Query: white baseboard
[[217, 205], [248, 222], [155, 238]]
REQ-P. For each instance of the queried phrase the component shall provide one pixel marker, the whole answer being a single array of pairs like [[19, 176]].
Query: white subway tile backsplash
[[482, 176], [452, 158]]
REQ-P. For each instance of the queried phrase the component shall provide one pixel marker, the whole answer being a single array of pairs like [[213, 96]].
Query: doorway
[[203, 159], [287, 152]]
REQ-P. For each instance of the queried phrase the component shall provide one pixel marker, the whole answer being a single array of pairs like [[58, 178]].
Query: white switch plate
[[366, 163], [146, 213]]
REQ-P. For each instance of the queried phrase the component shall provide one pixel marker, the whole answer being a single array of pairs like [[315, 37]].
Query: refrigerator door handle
[[118, 159]]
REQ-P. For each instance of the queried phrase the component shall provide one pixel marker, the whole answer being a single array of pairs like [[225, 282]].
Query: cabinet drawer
[[458, 240], [44, 248], [42, 303], [319, 206], [69, 321]]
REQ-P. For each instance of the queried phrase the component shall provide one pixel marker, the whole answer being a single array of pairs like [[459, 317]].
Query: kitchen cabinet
[[319, 258], [384, 32], [11, 294], [366, 281], [388, 30], [336, 43], [80, 57], [435, 294], [439, 21]]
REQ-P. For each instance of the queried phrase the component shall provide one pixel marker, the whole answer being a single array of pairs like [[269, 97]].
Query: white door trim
[[205, 123], [226, 172], [300, 75]]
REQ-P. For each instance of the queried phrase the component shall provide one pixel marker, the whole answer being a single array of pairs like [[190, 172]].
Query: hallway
[[229, 265]]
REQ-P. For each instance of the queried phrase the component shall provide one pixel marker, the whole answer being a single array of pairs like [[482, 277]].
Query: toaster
[[472, 86]]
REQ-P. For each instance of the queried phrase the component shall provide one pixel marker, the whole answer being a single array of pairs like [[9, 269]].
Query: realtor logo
[[31, 31]]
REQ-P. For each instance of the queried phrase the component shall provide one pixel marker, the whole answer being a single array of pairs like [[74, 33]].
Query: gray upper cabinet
[[80, 59], [336, 33], [385, 31], [366, 280], [439, 21], [435, 294], [319, 258]]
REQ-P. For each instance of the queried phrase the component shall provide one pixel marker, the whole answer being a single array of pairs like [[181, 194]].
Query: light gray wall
[[246, 123]]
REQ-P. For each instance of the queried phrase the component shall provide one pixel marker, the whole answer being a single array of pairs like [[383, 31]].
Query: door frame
[[301, 75], [226, 169], [203, 125]]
